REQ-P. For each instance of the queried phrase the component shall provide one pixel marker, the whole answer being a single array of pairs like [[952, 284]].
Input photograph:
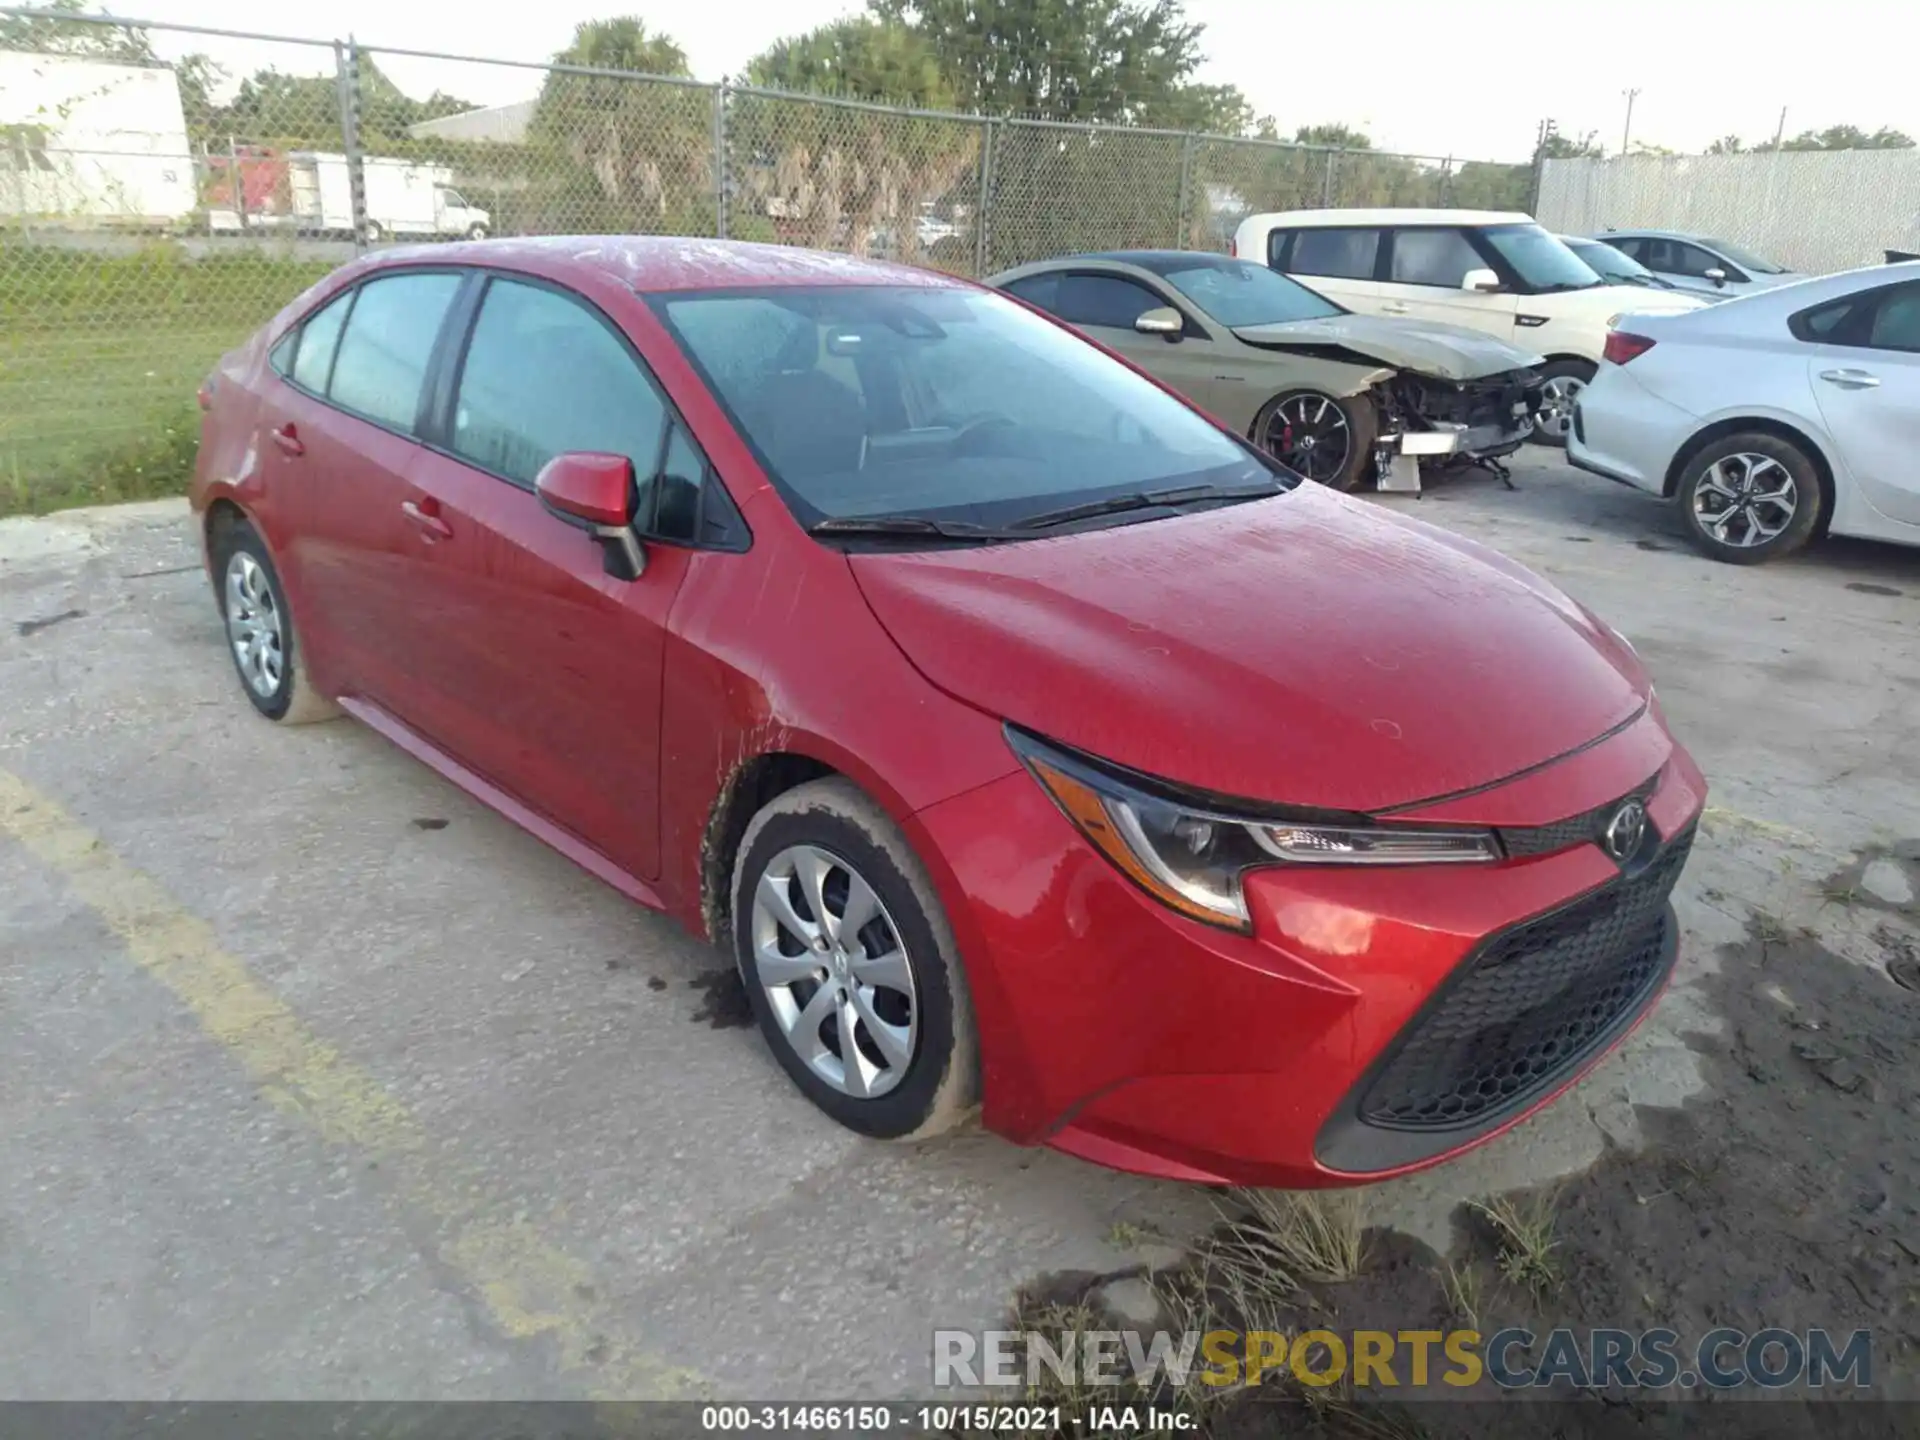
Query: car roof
[[1155, 260], [1688, 235], [650, 263], [1407, 216]]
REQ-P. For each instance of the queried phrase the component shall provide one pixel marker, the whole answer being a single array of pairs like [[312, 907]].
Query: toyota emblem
[[1625, 829]]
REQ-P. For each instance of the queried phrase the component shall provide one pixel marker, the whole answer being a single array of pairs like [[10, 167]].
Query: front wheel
[[850, 965], [1561, 384], [1320, 436], [1749, 497], [477, 232]]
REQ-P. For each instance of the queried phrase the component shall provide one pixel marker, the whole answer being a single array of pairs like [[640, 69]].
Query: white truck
[[403, 198], [88, 143]]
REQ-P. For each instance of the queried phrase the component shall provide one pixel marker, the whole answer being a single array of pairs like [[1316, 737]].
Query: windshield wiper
[[1147, 500], [909, 526]]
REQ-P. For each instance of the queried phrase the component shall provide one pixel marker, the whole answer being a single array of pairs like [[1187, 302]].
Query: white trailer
[[93, 143], [403, 198]]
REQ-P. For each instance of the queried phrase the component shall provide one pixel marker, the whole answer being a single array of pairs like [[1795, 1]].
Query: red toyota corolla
[[1027, 738]]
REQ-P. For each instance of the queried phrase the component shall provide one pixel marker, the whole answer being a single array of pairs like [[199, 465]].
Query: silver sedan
[[1772, 420]]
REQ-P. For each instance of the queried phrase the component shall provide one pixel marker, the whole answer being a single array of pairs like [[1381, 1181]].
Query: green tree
[[832, 175], [1727, 145], [610, 154], [1849, 137], [1119, 61], [52, 33]]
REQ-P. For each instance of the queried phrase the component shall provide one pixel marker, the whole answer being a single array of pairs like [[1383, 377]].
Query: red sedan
[[1026, 738]]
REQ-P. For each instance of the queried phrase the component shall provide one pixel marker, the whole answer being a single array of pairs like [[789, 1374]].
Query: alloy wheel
[[1555, 416], [255, 626], [831, 963], [1309, 434], [1745, 500]]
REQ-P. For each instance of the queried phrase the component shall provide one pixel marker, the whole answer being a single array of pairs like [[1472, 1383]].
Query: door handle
[[287, 437], [1851, 379], [427, 518], [1393, 309]]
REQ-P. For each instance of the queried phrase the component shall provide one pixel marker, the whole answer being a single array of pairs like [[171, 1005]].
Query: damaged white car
[[1336, 396]]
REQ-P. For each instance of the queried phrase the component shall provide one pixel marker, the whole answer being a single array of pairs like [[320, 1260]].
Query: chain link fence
[[155, 210], [1811, 210]]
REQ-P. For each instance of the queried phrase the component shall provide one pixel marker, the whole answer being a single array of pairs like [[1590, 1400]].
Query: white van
[[1490, 270]]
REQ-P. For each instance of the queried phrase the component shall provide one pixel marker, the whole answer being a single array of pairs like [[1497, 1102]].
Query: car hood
[[1450, 352], [1304, 650]]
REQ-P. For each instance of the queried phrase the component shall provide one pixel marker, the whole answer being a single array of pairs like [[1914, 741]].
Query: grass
[[100, 355], [1304, 1235], [1461, 1285], [1524, 1231]]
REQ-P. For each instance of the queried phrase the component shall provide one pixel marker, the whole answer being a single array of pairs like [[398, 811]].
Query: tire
[[374, 233], [262, 640], [923, 1082], [1565, 379], [478, 232], [1749, 497], [1294, 416]]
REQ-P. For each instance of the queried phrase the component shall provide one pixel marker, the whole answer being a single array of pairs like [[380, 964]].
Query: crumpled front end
[[1428, 418]]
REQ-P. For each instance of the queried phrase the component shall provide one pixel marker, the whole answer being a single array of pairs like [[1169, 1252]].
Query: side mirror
[[1165, 321], [1716, 275], [1483, 281], [593, 491]]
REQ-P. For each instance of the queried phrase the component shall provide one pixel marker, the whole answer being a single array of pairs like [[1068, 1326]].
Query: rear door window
[[1433, 257], [1336, 254], [1104, 300], [389, 339], [319, 338], [1040, 290], [1896, 324], [544, 375]]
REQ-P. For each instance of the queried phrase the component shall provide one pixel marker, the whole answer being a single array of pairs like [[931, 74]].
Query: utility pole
[[1780, 134], [1626, 131]]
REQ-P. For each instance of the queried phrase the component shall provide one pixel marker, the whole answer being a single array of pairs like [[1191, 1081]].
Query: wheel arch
[[1567, 357], [1763, 425], [747, 788]]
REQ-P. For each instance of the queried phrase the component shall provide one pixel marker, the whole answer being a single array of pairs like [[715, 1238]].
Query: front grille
[[1521, 841], [1530, 1005]]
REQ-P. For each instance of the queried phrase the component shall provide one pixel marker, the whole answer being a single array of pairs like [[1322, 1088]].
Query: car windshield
[[1611, 264], [1539, 259], [949, 405], [1238, 293], [1746, 259]]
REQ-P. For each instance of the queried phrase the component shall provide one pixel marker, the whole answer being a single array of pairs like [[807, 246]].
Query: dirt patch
[[723, 999], [1787, 1194]]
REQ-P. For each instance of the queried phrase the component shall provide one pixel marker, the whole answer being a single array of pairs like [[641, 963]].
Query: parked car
[[1335, 396], [1790, 415], [1023, 734], [1492, 271], [1615, 265], [1702, 266]]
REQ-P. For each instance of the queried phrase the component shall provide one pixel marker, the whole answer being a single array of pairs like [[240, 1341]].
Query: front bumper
[[1329, 1046]]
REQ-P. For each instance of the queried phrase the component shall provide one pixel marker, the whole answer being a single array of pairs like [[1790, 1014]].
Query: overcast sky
[[1470, 78]]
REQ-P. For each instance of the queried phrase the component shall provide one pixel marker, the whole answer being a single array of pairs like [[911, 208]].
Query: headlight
[[1191, 857]]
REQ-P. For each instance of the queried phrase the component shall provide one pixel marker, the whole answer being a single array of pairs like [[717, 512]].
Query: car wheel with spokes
[[1324, 438], [850, 966], [261, 636], [1750, 497], [1560, 387]]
